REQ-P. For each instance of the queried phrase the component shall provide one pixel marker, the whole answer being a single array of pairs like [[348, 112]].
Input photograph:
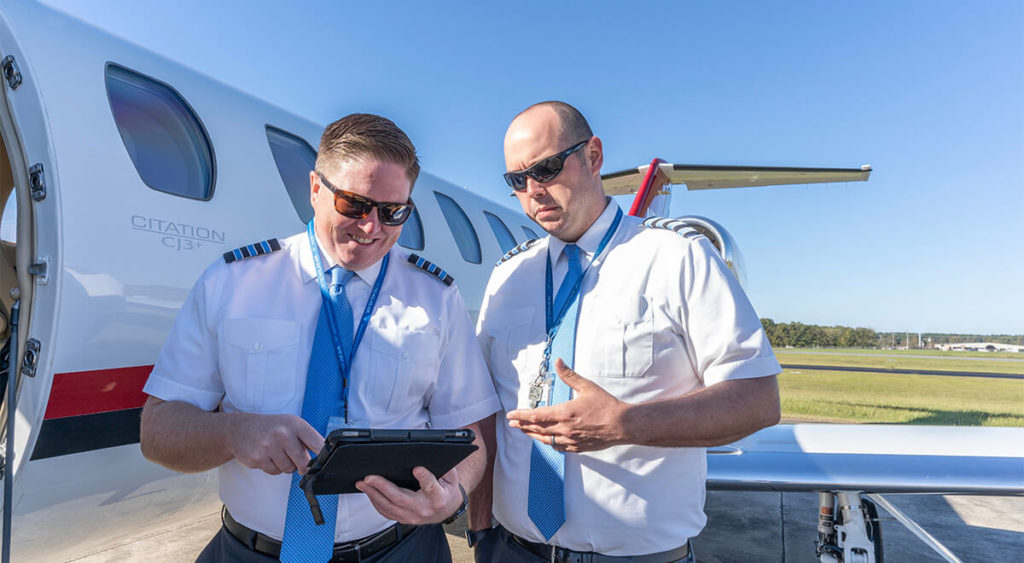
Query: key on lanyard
[[540, 388]]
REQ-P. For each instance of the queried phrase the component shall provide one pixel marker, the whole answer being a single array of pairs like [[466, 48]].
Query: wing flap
[[708, 177]]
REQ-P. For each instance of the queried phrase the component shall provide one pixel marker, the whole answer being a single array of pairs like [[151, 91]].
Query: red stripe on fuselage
[[90, 392]]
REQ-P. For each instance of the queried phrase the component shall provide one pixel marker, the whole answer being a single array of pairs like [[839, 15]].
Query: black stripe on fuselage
[[76, 434]]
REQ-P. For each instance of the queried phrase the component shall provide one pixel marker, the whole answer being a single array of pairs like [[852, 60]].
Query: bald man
[[619, 351]]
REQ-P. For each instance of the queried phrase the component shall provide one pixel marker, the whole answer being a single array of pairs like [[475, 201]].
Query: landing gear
[[849, 532]]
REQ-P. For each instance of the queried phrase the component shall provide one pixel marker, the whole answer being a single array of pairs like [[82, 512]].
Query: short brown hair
[[367, 135]]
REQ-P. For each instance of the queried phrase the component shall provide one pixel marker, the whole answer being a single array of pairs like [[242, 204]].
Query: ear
[[314, 187], [595, 155]]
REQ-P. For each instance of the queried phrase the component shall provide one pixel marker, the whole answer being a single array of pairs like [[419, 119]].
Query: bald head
[[572, 126], [568, 203]]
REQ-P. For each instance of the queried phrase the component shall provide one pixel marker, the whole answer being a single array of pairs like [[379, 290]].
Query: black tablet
[[349, 454]]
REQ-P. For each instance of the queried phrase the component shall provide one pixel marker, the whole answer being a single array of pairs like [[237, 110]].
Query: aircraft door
[[27, 266], [8, 273]]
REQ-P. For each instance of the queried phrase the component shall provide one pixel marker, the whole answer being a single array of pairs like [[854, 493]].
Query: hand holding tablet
[[350, 454]]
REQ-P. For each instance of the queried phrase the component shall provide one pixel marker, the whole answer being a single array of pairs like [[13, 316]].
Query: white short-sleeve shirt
[[243, 338], [660, 316]]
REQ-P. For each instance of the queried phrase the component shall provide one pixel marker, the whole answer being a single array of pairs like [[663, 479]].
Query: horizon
[[928, 94]]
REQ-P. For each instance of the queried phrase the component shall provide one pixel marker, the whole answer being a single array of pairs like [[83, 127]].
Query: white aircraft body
[[130, 174]]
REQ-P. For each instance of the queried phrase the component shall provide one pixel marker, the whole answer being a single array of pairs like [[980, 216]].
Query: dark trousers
[[425, 543], [499, 547]]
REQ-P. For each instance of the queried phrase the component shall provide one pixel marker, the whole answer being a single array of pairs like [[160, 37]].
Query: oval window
[[165, 139], [461, 227], [412, 232], [295, 159], [505, 239]]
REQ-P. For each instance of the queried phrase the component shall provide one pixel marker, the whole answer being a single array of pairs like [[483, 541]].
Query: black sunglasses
[[356, 206], [543, 170]]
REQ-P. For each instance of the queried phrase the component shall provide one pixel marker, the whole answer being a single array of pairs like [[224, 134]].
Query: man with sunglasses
[[284, 340], [619, 351]]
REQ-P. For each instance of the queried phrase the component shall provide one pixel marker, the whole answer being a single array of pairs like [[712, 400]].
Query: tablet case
[[349, 454]]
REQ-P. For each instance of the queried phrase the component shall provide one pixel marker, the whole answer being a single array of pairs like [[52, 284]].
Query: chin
[[363, 257], [552, 227]]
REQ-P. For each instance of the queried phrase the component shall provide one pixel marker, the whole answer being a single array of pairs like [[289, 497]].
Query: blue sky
[[928, 93]]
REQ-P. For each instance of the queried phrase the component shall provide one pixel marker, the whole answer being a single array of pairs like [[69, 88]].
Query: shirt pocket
[[628, 345], [513, 353], [403, 367], [258, 361]]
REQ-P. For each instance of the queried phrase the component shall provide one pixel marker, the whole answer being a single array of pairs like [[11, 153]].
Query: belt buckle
[[562, 554]]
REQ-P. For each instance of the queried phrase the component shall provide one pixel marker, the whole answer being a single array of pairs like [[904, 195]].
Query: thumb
[[570, 377]]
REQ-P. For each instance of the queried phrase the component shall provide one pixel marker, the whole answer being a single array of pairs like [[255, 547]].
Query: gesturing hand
[[277, 443], [435, 501], [591, 421]]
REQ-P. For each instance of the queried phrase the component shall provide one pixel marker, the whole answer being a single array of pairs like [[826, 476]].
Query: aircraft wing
[[873, 459], [708, 177]]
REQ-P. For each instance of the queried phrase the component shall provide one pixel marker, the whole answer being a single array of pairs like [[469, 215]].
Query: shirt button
[[257, 347], [405, 356]]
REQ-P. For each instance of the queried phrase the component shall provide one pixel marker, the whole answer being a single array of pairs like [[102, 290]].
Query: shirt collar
[[308, 267], [591, 238]]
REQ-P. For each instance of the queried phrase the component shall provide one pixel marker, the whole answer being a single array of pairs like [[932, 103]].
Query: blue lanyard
[[553, 322], [344, 363]]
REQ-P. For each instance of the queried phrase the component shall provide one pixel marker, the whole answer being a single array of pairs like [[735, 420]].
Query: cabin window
[[505, 239], [295, 159], [412, 232], [529, 232], [461, 227], [165, 139]]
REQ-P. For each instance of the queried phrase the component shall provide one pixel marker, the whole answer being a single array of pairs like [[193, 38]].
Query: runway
[[805, 351], [905, 371], [742, 526]]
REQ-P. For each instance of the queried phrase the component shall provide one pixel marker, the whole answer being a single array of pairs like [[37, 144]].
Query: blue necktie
[[546, 501], [304, 540]]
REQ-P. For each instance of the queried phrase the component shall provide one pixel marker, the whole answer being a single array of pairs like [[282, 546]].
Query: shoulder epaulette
[[522, 246], [431, 268], [254, 249], [681, 228]]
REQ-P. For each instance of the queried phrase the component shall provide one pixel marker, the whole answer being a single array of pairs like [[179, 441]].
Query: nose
[[535, 189], [370, 224]]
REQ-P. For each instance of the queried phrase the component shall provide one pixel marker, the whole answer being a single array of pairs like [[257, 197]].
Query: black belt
[[343, 552], [562, 555]]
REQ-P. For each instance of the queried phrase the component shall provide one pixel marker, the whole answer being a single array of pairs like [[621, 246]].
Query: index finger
[[539, 415], [297, 455], [310, 438], [392, 492]]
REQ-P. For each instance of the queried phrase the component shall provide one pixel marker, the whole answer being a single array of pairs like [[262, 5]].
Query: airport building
[[981, 347]]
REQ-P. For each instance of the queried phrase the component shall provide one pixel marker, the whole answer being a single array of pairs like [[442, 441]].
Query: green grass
[[865, 397], [915, 352]]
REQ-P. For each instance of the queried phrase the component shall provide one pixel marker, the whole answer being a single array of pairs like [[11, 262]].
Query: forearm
[[473, 467], [184, 437], [480, 497], [715, 415]]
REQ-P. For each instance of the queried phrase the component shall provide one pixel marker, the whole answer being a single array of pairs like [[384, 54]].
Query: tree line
[[800, 335]]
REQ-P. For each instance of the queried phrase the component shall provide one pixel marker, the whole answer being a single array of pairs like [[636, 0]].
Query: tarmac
[[742, 526]]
